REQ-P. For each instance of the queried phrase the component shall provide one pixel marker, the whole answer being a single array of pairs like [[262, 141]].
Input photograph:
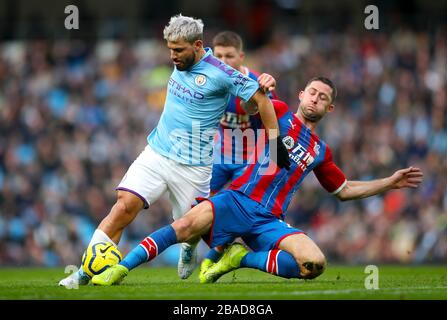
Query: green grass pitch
[[338, 282]]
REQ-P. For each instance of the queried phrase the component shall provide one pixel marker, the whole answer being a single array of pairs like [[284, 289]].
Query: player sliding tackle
[[254, 205], [178, 157]]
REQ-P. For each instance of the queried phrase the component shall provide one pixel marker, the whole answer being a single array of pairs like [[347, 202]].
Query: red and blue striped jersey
[[228, 148], [273, 187]]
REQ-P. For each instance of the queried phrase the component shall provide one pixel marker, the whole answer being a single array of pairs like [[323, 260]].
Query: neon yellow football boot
[[112, 276], [204, 266], [230, 260]]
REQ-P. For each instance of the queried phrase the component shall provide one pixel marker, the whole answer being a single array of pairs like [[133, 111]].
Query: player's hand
[[279, 154], [266, 82], [406, 178]]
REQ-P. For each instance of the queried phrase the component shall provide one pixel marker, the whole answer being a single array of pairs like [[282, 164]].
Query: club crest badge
[[200, 80], [288, 142]]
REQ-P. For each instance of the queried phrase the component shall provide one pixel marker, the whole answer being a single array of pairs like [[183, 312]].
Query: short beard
[[188, 63], [311, 117]]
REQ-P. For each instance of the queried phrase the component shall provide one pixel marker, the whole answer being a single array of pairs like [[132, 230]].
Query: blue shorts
[[222, 173], [236, 215]]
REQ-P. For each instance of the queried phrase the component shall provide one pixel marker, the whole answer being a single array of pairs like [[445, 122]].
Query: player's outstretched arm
[[405, 178]]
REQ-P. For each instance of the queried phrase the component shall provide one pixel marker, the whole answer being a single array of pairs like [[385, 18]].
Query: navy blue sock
[[213, 255], [150, 247], [277, 262]]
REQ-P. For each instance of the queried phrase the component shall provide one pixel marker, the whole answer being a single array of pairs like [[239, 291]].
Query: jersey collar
[[208, 51]]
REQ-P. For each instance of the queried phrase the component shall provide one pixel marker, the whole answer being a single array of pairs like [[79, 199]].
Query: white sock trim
[[100, 236]]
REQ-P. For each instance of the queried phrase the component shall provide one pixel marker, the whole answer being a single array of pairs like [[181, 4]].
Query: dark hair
[[228, 39], [325, 81]]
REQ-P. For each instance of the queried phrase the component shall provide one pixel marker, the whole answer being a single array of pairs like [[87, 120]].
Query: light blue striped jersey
[[195, 102]]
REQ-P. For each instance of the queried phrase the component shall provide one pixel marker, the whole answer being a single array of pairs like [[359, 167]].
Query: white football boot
[[187, 261], [78, 278]]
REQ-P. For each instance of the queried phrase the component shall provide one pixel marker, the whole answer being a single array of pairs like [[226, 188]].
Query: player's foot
[[230, 260], [204, 266], [78, 278], [187, 261], [113, 275]]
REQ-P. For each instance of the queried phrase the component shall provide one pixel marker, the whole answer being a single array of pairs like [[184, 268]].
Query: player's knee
[[312, 266], [122, 208], [125, 207], [182, 228]]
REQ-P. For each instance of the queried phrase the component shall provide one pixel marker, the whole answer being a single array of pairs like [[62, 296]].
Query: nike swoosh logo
[[104, 250], [108, 277]]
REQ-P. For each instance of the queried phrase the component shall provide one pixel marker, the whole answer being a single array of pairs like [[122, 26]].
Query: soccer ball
[[100, 256]]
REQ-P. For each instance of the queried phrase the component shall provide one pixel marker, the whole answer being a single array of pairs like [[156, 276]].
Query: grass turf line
[[338, 282]]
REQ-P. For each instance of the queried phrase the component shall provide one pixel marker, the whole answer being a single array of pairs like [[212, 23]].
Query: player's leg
[[110, 229], [123, 212], [216, 220], [284, 251], [140, 186], [197, 222], [188, 183], [235, 216], [278, 249], [188, 254], [297, 256], [294, 256], [220, 176], [307, 254], [232, 172]]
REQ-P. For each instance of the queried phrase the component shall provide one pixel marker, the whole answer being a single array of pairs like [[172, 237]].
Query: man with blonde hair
[[178, 157]]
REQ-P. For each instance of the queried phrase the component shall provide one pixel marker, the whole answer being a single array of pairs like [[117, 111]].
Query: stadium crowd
[[74, 115]]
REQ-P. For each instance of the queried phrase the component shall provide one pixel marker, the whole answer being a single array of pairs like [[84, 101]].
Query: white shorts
[[151, 174]]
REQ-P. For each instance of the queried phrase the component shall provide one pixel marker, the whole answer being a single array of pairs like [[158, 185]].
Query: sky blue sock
[[277, 262], [150, 247], [213, 255]]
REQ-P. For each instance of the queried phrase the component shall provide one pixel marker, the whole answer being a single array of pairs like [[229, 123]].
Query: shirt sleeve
[[240, 85], [329, 174]]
